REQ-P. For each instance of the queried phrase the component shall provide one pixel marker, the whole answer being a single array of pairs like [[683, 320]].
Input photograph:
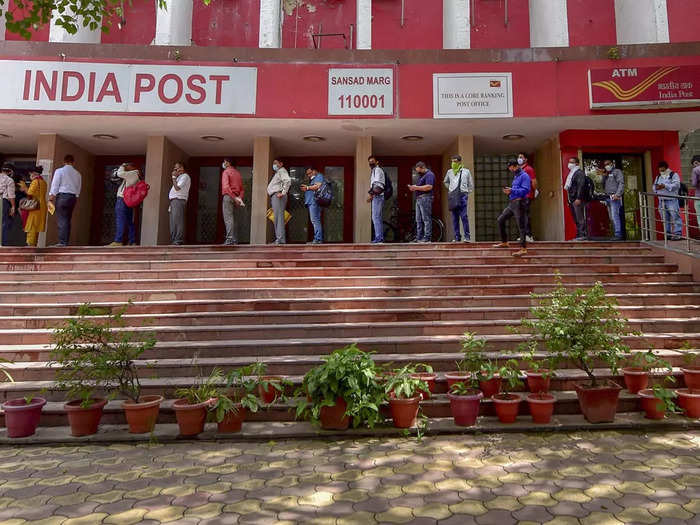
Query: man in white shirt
[[178, 203], [278, 190], [7, 194], [64, 193], [458, 179], [377, 183], [129, 174]]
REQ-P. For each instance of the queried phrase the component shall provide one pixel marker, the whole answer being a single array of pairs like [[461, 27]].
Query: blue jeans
[[458, 214], [424, 218], [315, 215], [377, 218], [125, 222], [65, 203], [614, 208], [671, 215]]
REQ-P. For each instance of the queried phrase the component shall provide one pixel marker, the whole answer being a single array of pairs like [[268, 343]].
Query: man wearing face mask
[[278, 190], [517, 193], [377, 182], [459, 179], [574, 186], [524, 164], [614, 187], [666, 186], [232, 191], [424, 202], [695, 182]]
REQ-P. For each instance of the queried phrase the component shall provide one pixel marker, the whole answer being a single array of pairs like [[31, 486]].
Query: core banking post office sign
[[127, 88]]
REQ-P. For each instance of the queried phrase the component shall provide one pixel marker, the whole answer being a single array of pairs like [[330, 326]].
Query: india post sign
[[640, 87], [472, 95], [361, 91], [127, 88]]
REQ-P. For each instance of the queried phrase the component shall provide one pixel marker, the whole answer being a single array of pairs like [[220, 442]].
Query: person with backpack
[[695, 183], [524, 163], [128, 173], [278, 190], [459, 183], [316, 180], [378, 191], [666, 186], [424, 202], [614, 188], [579, 188], [517, 193]]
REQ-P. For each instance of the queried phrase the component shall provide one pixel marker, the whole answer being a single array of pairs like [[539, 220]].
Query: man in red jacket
[[232, 191], [524, 164]]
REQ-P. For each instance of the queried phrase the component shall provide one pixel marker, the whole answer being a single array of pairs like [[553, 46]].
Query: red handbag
[[135, 194]]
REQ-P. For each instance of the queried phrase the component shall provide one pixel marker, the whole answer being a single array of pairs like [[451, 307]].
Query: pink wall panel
[[140, 25], [489, 29], [422, 27], [683, 20], [591, 22], [228, 23], [40, 35], [318, 16]]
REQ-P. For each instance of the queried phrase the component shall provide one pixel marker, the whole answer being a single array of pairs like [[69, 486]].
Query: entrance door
[[632, 166]]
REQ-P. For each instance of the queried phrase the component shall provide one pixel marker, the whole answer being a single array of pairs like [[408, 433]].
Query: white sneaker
[[529, 238]]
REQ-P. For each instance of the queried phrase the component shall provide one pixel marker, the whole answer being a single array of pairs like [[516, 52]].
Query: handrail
[[652, 203]]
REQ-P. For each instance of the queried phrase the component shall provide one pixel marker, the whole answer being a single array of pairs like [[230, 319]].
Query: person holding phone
[[517, 193], [178, 203], [666, 186], [424, 202]]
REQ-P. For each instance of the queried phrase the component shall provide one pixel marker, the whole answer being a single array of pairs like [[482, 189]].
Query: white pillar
[[641, 21], [363, 40], [270, 24], [174, 23], [2, 21], [549, 25], [84, 35], [456, 28]]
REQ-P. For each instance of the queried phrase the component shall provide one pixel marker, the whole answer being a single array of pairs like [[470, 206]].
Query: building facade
[[326, 83]]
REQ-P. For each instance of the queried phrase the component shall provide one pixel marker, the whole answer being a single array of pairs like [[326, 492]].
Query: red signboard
[[638, 87]]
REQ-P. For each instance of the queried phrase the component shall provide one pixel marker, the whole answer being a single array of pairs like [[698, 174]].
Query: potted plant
[[657, 401], [488, 376], [507, 403], [270, 387], [465, 401], [230, 409], [194, 401], [690, 367], [94, 353], [404, 392], [343, 390], [471, 347], [583, 327], [21, 415], [539, 371], [639, 364], [425, 372], [689, 401]]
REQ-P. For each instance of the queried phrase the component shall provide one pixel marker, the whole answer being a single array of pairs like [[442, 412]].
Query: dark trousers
[[460, 214], [7, 222], [125, 222], [516, 208], [65, 204], [578, 212], [528, 225]]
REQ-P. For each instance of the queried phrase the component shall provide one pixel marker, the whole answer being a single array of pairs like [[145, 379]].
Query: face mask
[[455, 166], [571, 165], [608, 168], [521, 161], [275, 167], [662, 172], [223, 165], [372, 164]]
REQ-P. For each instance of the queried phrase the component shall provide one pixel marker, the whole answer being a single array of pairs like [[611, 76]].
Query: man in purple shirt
[[517, 193], [695, 181], [424, 202]]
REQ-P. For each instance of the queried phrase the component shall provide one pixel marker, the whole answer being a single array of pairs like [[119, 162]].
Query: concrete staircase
[[290, 305]]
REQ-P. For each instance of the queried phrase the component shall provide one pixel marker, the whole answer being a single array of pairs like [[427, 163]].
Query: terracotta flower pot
[[541, 407], [190, 418], [507, 407], [84, 421], [269, 394], [22, 418], [429, 378], [689, 402], [653, 408], [456, 377], [233, 421], [599, 404], [691, 375], [465, 408], [490, 387], [334, 418], [142, 416], [636, 379], [537, 381], [404, 411]]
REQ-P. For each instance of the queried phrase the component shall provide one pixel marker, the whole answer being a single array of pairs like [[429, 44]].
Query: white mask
[[275, 167], [521, 161], [608, 167], [223, 165], [571, 165]]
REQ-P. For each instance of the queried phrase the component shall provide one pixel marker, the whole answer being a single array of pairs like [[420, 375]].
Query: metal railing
[[658, 217]]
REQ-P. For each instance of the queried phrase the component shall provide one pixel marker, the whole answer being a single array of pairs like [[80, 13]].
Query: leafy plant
[[510, 375], [463, 388], [647, 361], [581, 326], [487, 370], [242, 385], [202, 390], [404, 385], [690, 357], [349, 374], [5, 373], [473, 349], [97, 354], [666, 399], [545, 366]]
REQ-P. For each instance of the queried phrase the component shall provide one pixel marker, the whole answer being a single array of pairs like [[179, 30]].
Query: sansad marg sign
[[128, 88]]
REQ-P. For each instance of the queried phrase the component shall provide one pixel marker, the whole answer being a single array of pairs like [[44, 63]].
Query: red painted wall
[[318, 16], [489, 29], [40, 35], [683, 20], [140, 25], [591, 22], [229, 23], [422, 25]]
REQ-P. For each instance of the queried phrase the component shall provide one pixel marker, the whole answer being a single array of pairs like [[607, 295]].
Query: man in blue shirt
[[315, 181], [517, 193], [424, 202]]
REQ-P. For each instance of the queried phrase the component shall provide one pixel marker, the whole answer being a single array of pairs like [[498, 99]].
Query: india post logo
[[495, 83], [625, 95]]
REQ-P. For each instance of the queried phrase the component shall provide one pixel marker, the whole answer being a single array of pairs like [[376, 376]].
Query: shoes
[[467, 239], [230, 243], [456, 240], [520, 252], [580, 239], [424, 241], [675, 238], [58, 245], [115, 244], [378, 241], [529, 238], [501, 245], [316, 242]]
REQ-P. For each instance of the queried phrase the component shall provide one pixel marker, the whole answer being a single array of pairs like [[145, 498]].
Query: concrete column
[[174, 24], [362, 212], [161, 154], [363, 27], [263, 155], [641, 21], [549, 25], [463, 145], [548, 213], [51, 150], [84, 35], [2, 21], [456, 27], [270, 24]]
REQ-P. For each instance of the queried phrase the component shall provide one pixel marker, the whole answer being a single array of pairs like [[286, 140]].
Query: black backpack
[[388, 187], [588, 193], [683, 190], [324, 195]]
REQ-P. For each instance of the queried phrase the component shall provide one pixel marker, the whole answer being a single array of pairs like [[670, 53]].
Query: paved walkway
[[577, 478]]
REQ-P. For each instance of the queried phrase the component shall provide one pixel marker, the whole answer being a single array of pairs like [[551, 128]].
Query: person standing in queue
[[315, 182], [424, 202], [65, 190], [278, 190], [178, 203], [129, 175], [377, 183], [36, 218], [232, 191]]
